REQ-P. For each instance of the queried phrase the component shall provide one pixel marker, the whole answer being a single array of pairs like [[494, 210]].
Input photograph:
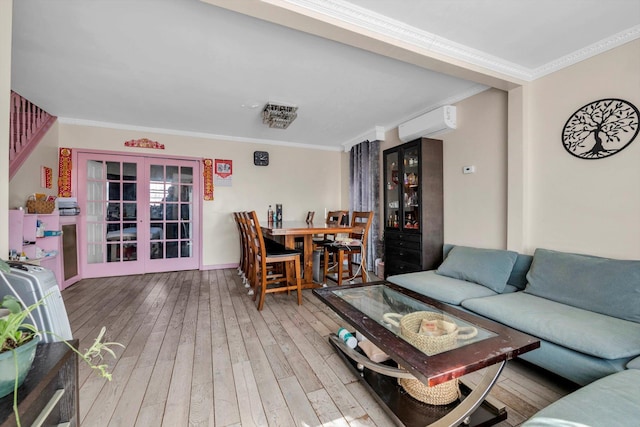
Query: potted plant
[[18, 342]]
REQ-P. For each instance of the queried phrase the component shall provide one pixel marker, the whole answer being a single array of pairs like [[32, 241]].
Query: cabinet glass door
[[392, 212], [411, 189]]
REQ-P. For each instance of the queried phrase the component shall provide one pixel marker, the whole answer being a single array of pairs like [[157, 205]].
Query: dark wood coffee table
[[364, 307]]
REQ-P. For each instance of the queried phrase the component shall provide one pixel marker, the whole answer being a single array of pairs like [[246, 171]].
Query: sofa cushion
[[602, 285], [518, 277], [577, 329], [577, 367], [486, 267], [634, 363], [610, 401], [441, 288]]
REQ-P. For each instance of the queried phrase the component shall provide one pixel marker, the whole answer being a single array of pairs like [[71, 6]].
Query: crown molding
[[594, 49], [368, 20], [203, 135], [375, 134]]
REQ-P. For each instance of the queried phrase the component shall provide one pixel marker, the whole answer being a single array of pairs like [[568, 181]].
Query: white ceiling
[[188, 66]]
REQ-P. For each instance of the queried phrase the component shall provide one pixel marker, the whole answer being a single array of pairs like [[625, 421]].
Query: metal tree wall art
[[601, 128]]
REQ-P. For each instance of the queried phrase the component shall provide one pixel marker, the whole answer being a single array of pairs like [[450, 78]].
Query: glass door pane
[[170, 211], [111, 211], [392, 186], [411, 188], [122, 232]]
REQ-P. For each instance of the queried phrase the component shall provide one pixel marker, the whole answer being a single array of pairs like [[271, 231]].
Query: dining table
[[289, 230]]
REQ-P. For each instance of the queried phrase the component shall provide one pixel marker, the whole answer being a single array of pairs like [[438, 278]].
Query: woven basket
[[410, 326], [441, 394], [40, 206]]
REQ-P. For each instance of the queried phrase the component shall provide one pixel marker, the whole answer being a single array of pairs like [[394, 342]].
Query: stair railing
[[28, 123]]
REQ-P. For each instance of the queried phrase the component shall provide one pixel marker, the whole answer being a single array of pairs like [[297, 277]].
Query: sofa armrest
[[634, 363]]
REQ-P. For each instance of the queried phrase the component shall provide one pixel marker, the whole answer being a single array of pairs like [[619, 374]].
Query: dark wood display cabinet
[[413, 206], [49, 394]]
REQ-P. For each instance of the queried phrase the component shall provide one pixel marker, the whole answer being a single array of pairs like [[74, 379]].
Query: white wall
[[301, 179], [585, 206], [475, 205], [6, 8]]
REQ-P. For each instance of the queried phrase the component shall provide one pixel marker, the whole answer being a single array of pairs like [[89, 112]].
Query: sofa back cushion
[[602, 285], [486, 267], [518, 276]]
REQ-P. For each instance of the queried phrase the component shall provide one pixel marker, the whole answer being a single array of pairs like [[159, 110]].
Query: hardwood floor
[[198, 353]]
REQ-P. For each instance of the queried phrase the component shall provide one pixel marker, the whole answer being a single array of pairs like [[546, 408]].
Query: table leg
[[457, 415], [308, 261], [307, 267], [461, 412]]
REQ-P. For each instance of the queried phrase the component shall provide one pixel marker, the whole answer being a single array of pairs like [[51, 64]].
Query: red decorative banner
[[46, 176], [144, 143], [207, 174], [64, 172]]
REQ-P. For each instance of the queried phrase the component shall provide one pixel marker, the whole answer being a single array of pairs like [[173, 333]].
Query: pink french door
[[138, 214]]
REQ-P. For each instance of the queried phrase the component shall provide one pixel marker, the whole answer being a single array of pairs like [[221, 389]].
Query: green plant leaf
[[12, 304], [4, 267]]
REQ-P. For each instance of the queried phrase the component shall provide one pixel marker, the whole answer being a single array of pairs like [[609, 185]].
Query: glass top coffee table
[[384, 313]]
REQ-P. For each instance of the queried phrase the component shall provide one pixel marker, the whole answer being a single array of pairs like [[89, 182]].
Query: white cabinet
[[40, 250]]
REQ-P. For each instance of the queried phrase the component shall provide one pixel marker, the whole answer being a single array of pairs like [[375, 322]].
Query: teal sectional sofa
[[584, 309], [610, 401]]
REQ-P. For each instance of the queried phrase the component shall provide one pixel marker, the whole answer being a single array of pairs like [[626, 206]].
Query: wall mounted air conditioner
[[433, 123]]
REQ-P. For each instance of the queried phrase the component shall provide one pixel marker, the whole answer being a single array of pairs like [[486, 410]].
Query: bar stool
[[287, 274]]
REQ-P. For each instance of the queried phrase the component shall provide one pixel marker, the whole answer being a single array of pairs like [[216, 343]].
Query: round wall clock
[[601, 128], [261, 158]]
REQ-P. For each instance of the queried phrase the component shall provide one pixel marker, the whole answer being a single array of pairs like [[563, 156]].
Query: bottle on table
[[270, 214]]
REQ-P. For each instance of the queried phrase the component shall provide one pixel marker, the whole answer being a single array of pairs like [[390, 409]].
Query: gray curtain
[[364, 183]]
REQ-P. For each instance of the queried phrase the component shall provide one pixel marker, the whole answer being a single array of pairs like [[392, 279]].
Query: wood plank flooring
[[198, 353]]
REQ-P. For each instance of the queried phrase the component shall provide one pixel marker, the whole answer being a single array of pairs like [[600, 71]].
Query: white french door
[[138, 214]]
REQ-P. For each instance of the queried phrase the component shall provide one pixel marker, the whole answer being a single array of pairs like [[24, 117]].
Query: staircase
[[28, 123]]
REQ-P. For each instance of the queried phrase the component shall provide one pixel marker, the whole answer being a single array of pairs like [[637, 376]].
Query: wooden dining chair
[[247, 255], [243, 251], [287, 276], [350, 250], [299, 241], [333, 217], [309, 218], [250, 281]]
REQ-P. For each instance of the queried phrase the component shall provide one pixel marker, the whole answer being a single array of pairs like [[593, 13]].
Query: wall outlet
[[468, 169]]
